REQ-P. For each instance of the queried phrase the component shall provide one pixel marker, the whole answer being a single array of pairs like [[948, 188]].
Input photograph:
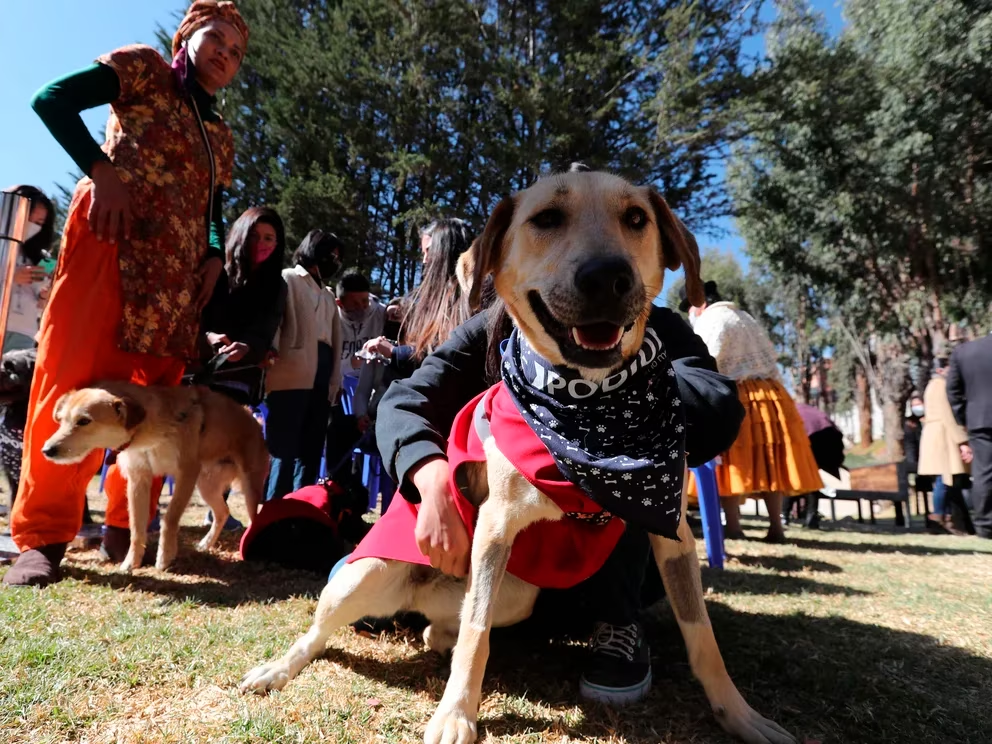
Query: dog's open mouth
[[587, 343], [597, 336]]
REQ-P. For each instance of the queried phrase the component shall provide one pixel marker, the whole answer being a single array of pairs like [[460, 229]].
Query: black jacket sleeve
[[259, 333], [713, 412], [415, 415], [955, 391]]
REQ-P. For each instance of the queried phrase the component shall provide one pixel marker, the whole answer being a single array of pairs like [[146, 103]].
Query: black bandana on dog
[[622, 441]]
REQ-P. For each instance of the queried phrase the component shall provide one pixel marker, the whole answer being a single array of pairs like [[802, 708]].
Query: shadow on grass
[[828, 679], [215, 579], [786, 563], [888, 548], [742, 582]]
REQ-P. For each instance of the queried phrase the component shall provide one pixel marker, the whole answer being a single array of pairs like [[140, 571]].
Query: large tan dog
[[201, 438], [577, 258]]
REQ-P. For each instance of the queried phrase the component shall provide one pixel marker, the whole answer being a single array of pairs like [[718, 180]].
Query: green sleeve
[[216, 240], [58, 105]]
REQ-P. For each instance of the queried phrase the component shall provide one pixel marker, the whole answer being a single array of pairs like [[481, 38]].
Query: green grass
[[842, 635]]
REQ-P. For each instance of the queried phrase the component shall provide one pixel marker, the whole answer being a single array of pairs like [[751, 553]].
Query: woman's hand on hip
[[440, 532], [209, 273], [110, 205]]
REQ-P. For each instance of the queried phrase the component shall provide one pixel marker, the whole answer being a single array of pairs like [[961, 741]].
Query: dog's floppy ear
[[129, 411], [678, 247], [489, 247], [60, 406]]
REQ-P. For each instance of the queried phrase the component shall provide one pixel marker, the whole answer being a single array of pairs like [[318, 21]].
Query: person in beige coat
[[940, 447], [306, 376]]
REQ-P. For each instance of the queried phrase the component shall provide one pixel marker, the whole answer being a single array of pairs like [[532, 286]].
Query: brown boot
[[116, 543], [36, 567]]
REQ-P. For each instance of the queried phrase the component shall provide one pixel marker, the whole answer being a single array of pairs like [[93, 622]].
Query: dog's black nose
[[50, 451], [605, 279]]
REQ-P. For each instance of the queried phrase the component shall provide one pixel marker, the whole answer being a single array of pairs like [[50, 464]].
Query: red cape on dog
[[550, 555]]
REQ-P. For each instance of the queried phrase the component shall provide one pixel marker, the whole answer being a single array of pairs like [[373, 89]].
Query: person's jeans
[[295, 428]]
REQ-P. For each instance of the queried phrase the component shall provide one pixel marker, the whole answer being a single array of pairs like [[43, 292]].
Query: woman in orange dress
[[141, 252], [771, 457]]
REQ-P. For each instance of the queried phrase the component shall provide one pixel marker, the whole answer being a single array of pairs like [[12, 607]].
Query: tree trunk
[[895, 384], [863, 398]]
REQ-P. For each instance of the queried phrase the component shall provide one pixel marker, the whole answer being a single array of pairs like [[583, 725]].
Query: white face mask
[[33, 229], [917, 410]]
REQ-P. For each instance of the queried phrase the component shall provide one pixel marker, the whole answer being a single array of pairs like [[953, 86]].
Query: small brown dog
[[201, 438]]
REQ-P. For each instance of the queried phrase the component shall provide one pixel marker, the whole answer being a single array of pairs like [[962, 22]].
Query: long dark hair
[[34, 250], [237, 258], [438, 305]]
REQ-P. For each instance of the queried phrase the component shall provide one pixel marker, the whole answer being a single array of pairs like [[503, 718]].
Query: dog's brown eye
[[83, 421], [635, 218], [548, 219]]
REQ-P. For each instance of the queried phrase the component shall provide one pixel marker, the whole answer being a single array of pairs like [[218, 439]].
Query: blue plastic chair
[[709, 510], [374, 475]]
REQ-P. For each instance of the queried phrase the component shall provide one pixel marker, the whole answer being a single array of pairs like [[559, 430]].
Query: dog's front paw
[[450, 727], [132, 560], [265, 678], [740, 719], [166, 556]]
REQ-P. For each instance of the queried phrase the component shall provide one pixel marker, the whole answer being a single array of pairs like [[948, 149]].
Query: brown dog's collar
[[123, 447]]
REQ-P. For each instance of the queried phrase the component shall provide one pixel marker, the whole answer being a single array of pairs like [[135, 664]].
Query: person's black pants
[[981, 480]]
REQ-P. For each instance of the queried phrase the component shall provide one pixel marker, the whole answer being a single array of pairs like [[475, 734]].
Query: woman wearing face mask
[[246, 310], [940, 453], [34, 265], [141, 253], [305, 377]]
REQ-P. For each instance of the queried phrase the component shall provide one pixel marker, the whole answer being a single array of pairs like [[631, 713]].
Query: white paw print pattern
[[628, 414], [647, 502], [627, 476], [601, 429]]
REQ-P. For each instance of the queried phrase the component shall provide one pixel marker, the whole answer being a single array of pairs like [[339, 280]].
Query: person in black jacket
[[969, 391], [414, 419], [247, 305]]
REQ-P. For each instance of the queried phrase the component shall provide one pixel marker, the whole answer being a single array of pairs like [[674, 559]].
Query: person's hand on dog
[[235, 351], [110, 204], [440, 532], [209, 273]]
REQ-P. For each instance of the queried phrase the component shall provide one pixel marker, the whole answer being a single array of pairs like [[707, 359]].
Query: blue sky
[[43, 39]]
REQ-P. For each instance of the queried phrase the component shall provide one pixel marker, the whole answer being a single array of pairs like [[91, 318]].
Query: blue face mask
[[917, 410]]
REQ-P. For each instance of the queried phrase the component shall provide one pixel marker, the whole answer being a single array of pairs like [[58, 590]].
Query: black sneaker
[[619, 670]]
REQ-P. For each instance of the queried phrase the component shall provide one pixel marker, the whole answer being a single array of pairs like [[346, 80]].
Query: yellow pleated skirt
[[772, 452]]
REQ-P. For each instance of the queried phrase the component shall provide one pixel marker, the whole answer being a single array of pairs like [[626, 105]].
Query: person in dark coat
[[969, 390], [415, 417]]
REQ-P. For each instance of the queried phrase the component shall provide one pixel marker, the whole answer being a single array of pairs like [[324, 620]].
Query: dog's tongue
[[597, 336]]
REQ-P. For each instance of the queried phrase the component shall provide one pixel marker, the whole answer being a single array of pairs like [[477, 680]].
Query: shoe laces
[[616, 640]]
